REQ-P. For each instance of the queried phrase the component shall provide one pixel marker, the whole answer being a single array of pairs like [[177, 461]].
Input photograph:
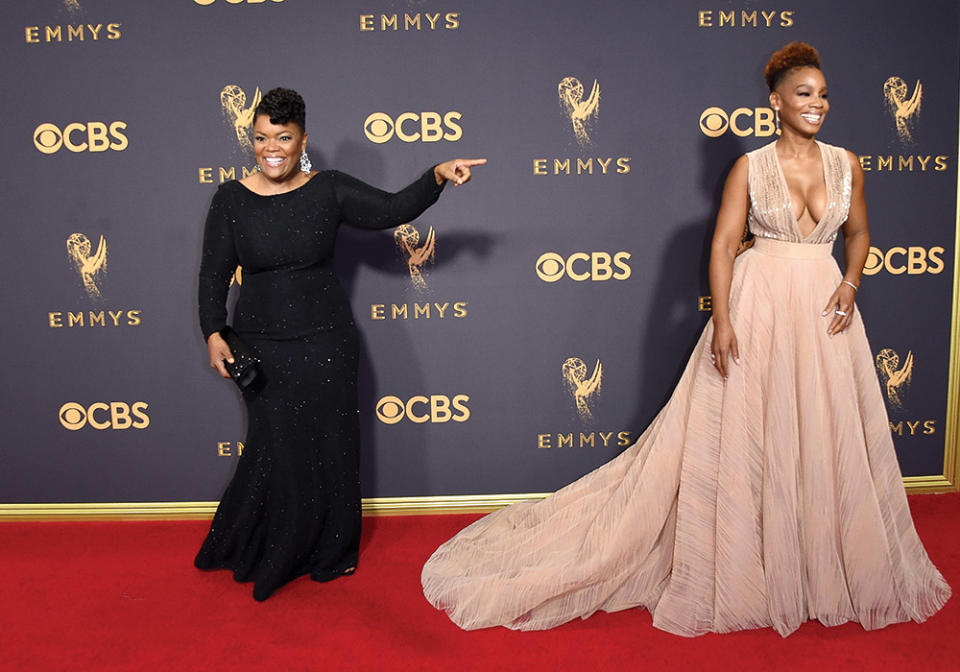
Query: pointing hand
[[457, 170]]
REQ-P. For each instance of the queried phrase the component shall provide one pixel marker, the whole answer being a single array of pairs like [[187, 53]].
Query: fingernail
[[823, 314], [230, 360], [737, 360]]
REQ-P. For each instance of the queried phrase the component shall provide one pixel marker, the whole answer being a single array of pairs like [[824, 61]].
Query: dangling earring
[[776, 116], [305, 164], [258, 168]]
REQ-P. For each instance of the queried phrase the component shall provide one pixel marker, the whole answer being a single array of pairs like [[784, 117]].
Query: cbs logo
[[93, 136], [419, 409], [580, 266], [911, 260], [235, 2], [101, 415], [714, 122], [380, 127]]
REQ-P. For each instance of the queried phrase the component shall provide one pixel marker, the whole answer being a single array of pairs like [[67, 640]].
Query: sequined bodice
[[285, 244], [771, 211]]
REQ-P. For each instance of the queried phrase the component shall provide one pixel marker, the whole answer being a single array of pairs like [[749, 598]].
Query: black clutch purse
[[246, 366]]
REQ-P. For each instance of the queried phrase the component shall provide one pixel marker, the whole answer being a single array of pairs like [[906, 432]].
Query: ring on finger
[[840, 313]]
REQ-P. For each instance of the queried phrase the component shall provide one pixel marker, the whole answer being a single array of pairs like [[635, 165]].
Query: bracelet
[[847, 282]]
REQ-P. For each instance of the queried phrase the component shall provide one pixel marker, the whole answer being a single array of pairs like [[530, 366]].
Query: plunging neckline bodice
[[786, 186], [771, 212]]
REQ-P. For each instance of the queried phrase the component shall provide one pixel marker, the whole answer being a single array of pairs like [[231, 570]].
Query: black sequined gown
[[293, 505]]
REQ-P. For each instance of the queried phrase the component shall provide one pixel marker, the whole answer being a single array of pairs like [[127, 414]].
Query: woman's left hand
[[457, 170], [842, 305]]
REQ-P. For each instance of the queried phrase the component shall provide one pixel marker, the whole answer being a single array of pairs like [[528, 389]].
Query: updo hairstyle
[[283, 106], [793, 55]]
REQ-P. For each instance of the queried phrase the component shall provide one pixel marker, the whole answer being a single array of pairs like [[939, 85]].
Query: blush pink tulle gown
[[766, 501]]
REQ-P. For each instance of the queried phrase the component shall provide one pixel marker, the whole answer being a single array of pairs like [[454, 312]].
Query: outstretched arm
[[723, 250], [367, 207]]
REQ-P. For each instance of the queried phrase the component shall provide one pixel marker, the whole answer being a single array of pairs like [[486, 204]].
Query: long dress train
[[770, 499]]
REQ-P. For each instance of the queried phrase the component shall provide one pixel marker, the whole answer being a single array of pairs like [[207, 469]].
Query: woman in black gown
[[293, 505]]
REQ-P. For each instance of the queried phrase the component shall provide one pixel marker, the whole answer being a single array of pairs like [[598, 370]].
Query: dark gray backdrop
[[159, 69]]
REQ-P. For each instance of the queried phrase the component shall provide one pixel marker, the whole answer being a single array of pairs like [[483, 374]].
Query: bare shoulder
[[855, 169], [740, 171], [853, 159]]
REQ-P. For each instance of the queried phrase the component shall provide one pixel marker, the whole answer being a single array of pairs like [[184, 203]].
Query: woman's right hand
[[219, 352], [723, 347]]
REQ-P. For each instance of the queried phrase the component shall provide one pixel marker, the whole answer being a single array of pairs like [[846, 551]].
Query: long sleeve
[[367, 207], [217, 265]]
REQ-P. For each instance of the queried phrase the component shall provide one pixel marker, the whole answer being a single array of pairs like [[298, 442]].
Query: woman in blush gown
[[766, 492]]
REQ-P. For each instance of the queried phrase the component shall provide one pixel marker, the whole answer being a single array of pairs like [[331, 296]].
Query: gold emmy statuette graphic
[[88, 266], [585, 390], [905, 112], [233, 102], [407, 239], [72, 6], [894, 376], [579, 110]]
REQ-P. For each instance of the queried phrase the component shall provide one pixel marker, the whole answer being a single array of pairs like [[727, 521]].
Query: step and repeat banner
[[521, 332]]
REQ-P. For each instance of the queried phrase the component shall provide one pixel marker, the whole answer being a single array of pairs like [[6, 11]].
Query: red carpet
[[125, 596]]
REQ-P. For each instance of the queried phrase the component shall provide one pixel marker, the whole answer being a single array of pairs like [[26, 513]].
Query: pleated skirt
[[762, 501]]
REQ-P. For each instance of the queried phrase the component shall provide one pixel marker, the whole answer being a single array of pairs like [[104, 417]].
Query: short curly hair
[[791, 56], [283, 106]]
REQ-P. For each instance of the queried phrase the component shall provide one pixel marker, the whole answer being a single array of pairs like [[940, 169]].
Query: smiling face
[[277, 148], [801, 99]]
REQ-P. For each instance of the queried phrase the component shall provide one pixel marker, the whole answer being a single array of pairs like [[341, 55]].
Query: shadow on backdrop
[[357, 250], [675, 321]]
